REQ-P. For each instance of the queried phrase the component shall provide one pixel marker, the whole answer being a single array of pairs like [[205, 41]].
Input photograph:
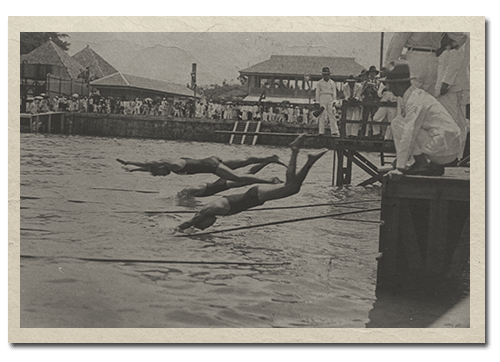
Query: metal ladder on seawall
[[248, 126]]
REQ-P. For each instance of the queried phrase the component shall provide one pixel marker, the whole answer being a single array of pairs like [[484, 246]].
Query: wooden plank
[[453, 190], [333, 168], [361, 165], [232, 135], [461, 253], [388, 243], [348, 172], [372, 180], [257, 130], [437, 236], [365, 160], [340, 166], [246, 130], [342, 122], [409, 240]]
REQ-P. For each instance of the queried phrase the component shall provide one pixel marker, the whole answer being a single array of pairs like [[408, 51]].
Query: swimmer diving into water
[[214, 165], [257, 195], [209, 189]]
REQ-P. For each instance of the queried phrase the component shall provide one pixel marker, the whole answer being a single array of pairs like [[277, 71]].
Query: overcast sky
[[227, 53]]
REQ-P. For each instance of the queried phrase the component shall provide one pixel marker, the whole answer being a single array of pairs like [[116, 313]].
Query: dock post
[[62, 123], [424, 238], [31, 124], [340, 167], [36, 123], [333, 167], [50, 123], [438, 227]]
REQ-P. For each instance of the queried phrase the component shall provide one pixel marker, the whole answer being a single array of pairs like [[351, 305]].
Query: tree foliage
[[32, 40]]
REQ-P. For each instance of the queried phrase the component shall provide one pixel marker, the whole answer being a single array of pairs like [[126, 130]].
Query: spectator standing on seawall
[[423, 128], [326, 94]]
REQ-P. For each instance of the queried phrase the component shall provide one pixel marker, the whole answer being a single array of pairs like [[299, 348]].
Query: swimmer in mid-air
[[257, 195], [214, 165], [212, 188]]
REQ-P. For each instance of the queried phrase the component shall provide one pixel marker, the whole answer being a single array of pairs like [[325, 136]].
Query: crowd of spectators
[[284, 112]]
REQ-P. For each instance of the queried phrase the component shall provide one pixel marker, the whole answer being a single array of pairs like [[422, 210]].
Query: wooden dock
[[347, 152], [424, 238]]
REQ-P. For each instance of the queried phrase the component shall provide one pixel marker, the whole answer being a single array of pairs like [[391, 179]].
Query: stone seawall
[[188, 129]]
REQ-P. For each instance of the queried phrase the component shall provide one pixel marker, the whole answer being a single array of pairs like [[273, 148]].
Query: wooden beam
[[437, 236], [388, 243], [361, 165], [408, 237], [365, 160]]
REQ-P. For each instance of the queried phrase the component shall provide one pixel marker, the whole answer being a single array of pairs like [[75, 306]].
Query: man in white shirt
[[386, 114], [420, 55], [423, 128], [352, 92], [453, 81], [326, 94]]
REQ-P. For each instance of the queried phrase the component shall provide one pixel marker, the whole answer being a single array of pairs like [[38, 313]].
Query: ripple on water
[[91, 208]]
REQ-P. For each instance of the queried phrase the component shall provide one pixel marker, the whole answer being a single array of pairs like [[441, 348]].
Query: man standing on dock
[[421, 55], [423, 128], [326, 94]]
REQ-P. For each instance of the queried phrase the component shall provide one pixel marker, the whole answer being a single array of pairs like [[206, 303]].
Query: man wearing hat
[[326, 94], [369, 92], [423, 128], [352, 92]]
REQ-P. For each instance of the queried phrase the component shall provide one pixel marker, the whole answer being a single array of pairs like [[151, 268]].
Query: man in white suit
[[421, 55], [453, 81], [352, 92], [326, 94]]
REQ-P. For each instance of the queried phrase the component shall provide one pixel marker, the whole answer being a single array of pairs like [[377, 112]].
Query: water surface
[[77, 203]]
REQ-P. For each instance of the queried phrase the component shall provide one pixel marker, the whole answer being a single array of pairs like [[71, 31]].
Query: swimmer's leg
[[235, 164], [226, 173], [292, 165], [311, 160]]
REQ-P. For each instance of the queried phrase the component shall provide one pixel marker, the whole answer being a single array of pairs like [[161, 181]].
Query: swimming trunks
[[206, 165], [242, 202], [215, 187]]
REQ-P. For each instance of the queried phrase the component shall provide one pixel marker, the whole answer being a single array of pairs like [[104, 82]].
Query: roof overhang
[[139, 89]]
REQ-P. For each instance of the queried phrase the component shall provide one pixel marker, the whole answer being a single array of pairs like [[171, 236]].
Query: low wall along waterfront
[[154, 127]]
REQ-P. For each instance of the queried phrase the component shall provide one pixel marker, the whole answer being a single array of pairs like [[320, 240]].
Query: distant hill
[[219, 56]]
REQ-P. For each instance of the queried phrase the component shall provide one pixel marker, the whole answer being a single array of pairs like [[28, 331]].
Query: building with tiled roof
[[98, 67], [291, 77], [128, 87]]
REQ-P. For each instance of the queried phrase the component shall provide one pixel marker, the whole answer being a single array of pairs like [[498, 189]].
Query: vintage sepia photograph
[[272, 180]]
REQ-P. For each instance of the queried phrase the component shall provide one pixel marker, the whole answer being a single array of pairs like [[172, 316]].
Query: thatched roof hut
[[50, 53]]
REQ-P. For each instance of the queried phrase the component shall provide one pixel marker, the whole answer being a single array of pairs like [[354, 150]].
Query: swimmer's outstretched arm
[[143, 166], [157, 168]]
